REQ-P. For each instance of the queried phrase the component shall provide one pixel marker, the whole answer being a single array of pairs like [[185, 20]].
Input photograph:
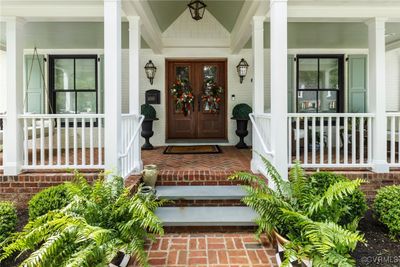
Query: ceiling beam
[[150, 30], [241, 32], [393, 45]]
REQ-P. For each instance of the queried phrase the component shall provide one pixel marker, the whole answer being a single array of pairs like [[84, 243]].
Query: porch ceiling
[[167, 11]]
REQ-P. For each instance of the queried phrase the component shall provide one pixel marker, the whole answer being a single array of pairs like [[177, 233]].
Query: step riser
[[205, 203], [209, 229], [196, 182], [171, 178]]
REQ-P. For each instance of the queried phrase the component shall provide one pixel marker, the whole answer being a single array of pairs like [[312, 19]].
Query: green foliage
[[148, 111], [52, 198], [8, 219], [241, 111], [311, 213], [349, 209], [387, 208], [100, 220]]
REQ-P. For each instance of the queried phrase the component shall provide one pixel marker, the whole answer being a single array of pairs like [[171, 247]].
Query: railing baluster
[[91, 142], [337, 140], [75, 133], [66, 141], [305, 140], [34, 142], [345, 140], [353, 140], [99, 142], [297, 138], [42, 142], [392, 139], [321, 140], [58, 141], [50, 141], [398, 139], [83, 141], [26, 148], [361, 129], [313, 140], [290, 140], [330, 140], [369, 140]]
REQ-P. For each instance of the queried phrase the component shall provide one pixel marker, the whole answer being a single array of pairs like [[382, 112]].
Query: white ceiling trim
[[393, 45], [150, 30], [186, 32]]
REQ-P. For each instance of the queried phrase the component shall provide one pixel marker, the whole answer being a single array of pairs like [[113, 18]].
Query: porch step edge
[[207, 216], [200, 192]]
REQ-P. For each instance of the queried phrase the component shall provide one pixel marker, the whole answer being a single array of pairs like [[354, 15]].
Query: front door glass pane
[[182, 73], [85, 74], [64, 74], [308, 73], [329, 73], [65, 102]]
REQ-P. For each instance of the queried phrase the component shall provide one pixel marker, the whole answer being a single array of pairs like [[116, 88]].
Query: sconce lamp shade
[[242, 69], [150, 70]]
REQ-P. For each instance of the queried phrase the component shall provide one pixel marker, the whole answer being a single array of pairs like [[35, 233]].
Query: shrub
[[100, 221], [387, 208], [8, 219], [241, 111], [52, 198], [350, 209], [148, 111], [294, 211]]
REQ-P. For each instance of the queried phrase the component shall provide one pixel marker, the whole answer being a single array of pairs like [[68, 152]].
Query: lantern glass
[[150, 70], [197, 9], [242, 69]]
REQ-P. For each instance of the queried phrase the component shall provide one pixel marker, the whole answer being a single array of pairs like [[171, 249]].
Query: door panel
[[200, 123]]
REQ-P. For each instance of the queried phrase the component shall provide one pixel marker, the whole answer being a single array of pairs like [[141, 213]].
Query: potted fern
[[240, 113], [102, 225], [313, 225], [150, 115]]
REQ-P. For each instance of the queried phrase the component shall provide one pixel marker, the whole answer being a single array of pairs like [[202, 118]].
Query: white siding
[[393, 80]]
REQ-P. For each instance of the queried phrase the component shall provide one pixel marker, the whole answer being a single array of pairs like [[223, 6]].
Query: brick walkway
[[211, 249]]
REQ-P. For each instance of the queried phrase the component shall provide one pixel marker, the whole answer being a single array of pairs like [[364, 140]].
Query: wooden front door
[[200, 122]]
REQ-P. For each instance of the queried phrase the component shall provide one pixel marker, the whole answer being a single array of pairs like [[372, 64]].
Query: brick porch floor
[[211, 249]]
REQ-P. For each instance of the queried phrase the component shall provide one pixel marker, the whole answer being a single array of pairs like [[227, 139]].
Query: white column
[[278, 22], [13, 134], [377, 93], [258, 83], [112, 84], [134, 78]]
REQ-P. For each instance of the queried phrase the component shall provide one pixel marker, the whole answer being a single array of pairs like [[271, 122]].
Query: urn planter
[[241, 132], [147, 133], [150, 174], [280, 257]]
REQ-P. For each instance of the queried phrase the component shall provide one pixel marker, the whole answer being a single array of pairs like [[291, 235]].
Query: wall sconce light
[[242, 69], [150, 70]]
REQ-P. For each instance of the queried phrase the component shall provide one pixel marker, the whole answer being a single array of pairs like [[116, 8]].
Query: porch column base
[[12, 168], [253, 165], [380, 167]]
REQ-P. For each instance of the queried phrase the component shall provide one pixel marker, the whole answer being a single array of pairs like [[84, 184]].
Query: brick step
[[207, 216], [198, 178]]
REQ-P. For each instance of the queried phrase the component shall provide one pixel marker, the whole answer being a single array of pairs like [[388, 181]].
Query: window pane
[[85, 73], [308, 73], [65, 103], [307, 102], [86, 102], [64, 74], [327, 101], [329, 73]]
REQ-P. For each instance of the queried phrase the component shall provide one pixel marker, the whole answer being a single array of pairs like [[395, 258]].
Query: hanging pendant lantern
[[197, 9], [242, 69], [150, 70]]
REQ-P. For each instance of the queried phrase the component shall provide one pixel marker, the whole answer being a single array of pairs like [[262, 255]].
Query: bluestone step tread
[[200, 192], [207, 216]]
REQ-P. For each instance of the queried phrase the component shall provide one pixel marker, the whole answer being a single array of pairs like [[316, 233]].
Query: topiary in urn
[[240, 113], [150, 115]]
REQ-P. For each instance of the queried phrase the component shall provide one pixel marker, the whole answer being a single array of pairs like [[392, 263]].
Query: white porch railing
[[2, 124], [59, 141], [131, 124], [330, 140], [262, 127], [393, 138]]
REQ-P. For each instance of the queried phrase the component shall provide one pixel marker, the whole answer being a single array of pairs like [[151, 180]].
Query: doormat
[[203, 149]]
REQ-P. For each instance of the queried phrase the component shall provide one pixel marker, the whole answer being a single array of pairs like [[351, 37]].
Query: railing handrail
[[61, 116], [333, 115], [141, 119], [393, 114], [263, 115], [264, 146]]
